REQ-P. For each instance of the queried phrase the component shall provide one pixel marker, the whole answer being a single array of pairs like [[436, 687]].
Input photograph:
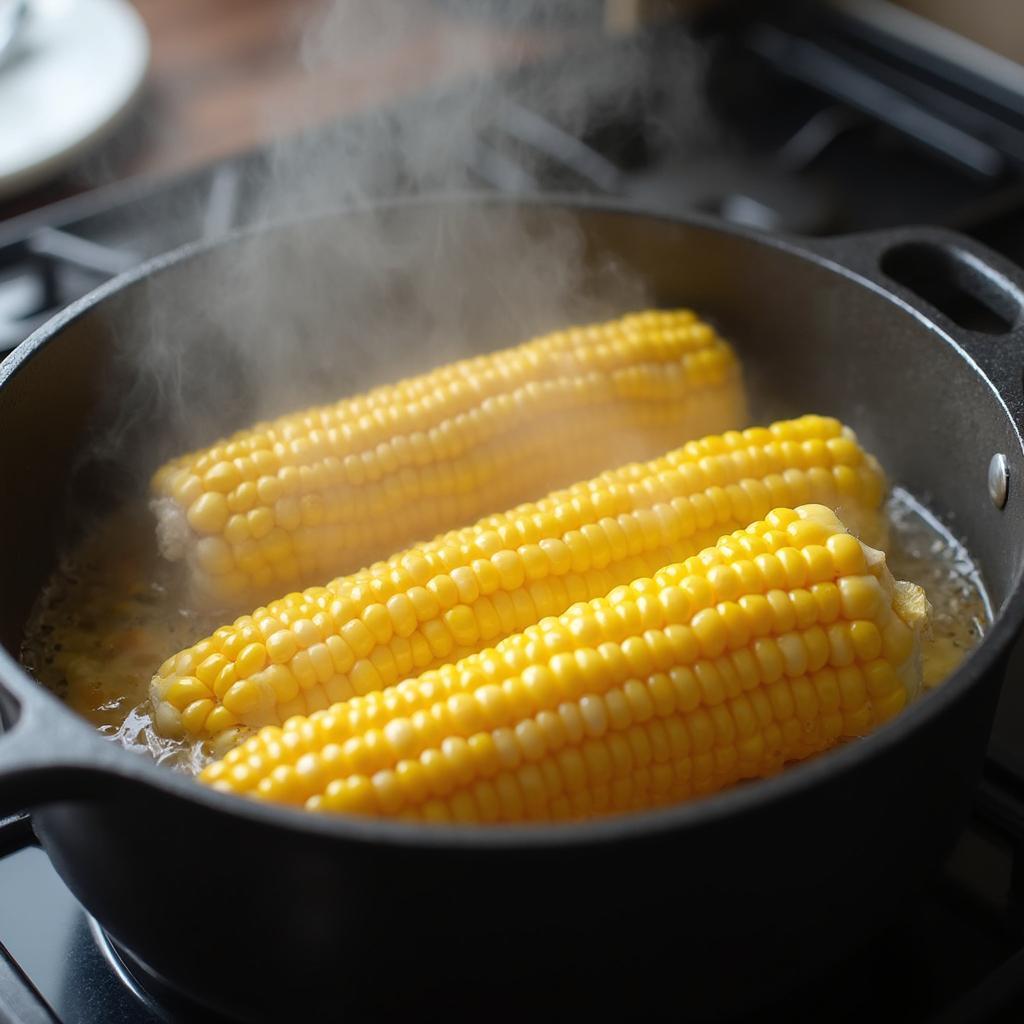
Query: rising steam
[[338, 303]]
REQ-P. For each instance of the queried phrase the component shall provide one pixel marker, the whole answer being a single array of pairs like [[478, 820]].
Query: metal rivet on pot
[[998, 479]]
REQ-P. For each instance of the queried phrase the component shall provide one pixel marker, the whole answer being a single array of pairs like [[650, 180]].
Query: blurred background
[[127, 129]]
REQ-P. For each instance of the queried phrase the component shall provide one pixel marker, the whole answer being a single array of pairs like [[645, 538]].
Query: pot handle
[[972, 293], [45, 754]]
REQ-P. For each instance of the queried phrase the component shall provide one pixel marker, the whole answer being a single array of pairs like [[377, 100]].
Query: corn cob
[[779, 642], [330, 488], [469, 588]]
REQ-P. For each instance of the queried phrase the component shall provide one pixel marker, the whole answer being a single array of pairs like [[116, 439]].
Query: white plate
[[76, 72]]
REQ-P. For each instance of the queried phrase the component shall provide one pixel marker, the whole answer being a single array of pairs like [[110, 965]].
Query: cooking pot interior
[[306, 312]]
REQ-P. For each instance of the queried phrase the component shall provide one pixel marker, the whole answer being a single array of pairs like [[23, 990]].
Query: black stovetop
[[788, 150]]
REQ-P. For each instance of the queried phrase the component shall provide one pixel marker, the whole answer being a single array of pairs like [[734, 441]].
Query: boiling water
[[110, 615], [922, 550], [114, 611]]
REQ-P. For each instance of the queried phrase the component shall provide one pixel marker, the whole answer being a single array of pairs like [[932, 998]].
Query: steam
[[312, 312]]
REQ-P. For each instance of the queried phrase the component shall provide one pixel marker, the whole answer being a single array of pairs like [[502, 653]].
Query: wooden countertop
[[228, 75]]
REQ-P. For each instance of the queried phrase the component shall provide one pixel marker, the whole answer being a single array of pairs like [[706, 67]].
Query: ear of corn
[[779, 642], [330, 488], [468, 589]]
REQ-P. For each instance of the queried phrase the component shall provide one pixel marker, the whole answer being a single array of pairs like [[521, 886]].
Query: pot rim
[[118, 762]]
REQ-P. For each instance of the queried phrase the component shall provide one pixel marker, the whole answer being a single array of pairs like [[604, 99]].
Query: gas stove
[[816, 122]]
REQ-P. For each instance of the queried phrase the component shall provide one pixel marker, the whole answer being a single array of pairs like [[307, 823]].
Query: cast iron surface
[[714, 904]]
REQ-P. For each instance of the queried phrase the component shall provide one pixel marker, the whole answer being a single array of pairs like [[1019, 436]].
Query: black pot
[[260, 911]]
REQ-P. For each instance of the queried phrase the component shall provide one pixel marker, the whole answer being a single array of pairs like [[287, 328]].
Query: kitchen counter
[[228, 75]]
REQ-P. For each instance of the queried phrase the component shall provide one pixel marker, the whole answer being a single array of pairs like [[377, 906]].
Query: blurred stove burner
[[147, 997], [801, 161], [754, 194]]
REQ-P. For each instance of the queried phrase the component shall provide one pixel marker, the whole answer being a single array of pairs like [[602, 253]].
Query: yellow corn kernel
[[475, 586], [622, 703], [332, 487]]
